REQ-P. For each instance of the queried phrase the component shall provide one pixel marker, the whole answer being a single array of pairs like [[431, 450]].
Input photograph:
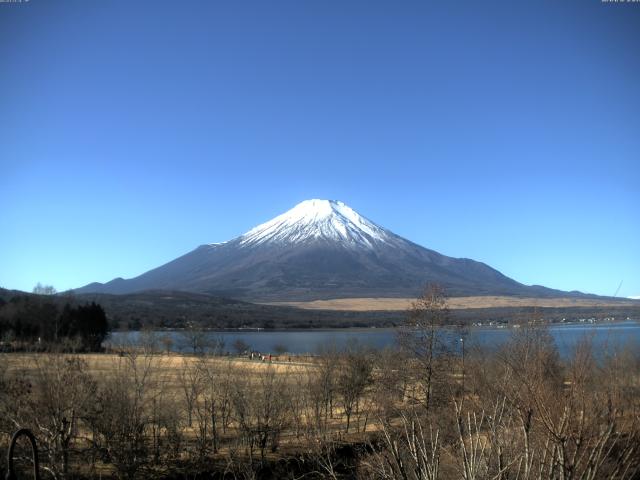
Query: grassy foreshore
[[351, 414]]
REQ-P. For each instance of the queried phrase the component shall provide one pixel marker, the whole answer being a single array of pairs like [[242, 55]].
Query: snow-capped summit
[[318, 220]]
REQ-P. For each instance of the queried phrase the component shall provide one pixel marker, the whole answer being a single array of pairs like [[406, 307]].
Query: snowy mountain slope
[[316, 220], [319, 249]]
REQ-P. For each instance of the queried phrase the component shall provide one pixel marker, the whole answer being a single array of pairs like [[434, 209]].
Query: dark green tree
[[86, 322]]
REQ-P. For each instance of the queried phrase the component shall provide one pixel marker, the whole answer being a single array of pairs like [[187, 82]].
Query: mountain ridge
[[320, 249]]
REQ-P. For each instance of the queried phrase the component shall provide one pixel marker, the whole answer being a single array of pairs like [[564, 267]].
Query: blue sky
[[507, 132]]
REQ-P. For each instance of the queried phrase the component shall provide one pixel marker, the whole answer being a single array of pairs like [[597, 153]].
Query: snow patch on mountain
[[314, 220]]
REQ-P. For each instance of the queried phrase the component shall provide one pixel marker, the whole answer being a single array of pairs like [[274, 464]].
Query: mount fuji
[[320, 249]]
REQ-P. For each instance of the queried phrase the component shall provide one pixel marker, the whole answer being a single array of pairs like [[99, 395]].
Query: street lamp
[[462, 344]]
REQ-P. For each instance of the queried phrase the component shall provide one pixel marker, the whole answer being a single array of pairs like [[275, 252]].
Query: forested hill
[[165, 310], [174, 309], [162, 309]]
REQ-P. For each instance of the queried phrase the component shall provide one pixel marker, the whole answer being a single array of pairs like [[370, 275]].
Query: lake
[[605, 336]]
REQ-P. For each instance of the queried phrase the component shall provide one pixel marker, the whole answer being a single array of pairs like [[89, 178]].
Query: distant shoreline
[[595, 324]]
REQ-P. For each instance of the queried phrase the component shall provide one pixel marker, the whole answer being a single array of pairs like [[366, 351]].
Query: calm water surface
[[605, 336]]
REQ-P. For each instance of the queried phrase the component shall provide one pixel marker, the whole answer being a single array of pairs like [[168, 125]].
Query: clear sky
[[504, 131]]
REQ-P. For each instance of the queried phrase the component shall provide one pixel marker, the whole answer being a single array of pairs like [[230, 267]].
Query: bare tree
[[280, 349], [216, 345], [195, 338], [392, 380], [165, 428], [190, 381], [354, 377], [167, 342], [121, 415], [549, 420], [213, 404], [321, 386], [412, 450], [260, 409], [149, 340], [41, 289], [299, 401], [51, 405], [240, 346], [419, 337]]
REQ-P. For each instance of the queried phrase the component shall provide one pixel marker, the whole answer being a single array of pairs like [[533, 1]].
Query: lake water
[[604, 336]]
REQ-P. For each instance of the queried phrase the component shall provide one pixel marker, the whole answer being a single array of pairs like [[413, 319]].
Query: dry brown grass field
[[454, 303], [166, 381], [166, 365]]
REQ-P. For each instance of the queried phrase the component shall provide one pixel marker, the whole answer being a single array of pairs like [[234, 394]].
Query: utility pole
[[618, 289]]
